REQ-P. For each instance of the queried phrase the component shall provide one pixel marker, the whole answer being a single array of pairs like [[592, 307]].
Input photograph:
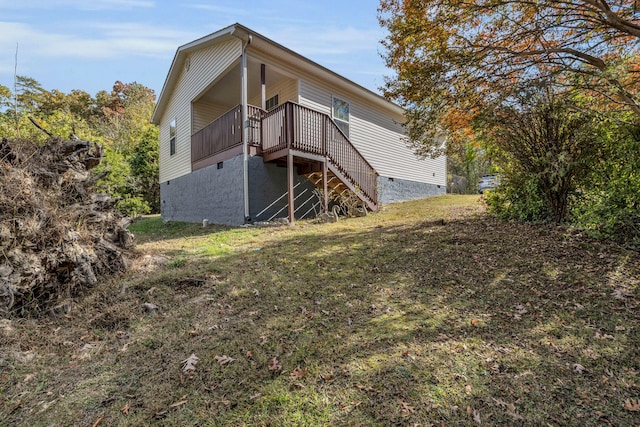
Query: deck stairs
[[341, 194]]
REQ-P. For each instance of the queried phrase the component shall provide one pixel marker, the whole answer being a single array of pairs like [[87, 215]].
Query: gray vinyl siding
[[206, 66], [378, 135], [286, 89], [315, 97]]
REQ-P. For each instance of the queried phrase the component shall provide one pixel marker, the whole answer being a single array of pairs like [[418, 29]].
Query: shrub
[[608, 204], [518, 198]]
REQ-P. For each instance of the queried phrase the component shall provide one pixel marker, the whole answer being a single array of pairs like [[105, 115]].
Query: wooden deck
[[293, 134]]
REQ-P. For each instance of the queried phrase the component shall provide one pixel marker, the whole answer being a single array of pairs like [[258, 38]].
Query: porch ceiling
[[227, 90]]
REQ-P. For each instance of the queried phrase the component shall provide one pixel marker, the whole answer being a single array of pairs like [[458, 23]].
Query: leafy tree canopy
[[454, 57], [118, 119]]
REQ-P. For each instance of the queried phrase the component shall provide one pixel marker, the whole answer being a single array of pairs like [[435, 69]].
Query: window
[[272, 102], [340, 112], [172, 137]]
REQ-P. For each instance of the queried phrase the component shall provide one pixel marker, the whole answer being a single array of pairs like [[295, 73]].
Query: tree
[[454, 57], [118, 120], [5, 98], [125, 114], [145, 168], [30, 94], [546, 145]]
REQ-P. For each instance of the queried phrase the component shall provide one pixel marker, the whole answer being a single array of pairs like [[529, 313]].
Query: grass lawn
[[427, 313]]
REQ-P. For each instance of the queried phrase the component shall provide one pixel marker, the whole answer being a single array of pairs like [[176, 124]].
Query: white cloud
[[103, 42], [220, 9], [327, 41]]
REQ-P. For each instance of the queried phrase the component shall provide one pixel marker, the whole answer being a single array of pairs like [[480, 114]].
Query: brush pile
[[57, 236]]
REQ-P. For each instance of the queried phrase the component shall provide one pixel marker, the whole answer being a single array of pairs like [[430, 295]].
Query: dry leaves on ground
[[298, 373], [189, 364], [274, 365], [632, 405], [406, 408], [224, 359]]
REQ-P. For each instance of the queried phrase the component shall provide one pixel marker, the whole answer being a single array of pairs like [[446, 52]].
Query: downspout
[[245, 128]]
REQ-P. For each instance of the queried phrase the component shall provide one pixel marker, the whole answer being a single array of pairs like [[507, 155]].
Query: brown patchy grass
[[428, 313]]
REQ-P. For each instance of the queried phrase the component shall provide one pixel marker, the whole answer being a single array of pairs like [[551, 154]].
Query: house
[[252, 131]]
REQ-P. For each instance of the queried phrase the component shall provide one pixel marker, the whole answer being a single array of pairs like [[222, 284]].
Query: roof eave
[[178, 63], [244, 33]]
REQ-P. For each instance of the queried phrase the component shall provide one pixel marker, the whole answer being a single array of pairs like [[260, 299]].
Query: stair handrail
[[293, 126]]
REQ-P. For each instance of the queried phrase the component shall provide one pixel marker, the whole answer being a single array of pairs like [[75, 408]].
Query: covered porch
[[306, 141]]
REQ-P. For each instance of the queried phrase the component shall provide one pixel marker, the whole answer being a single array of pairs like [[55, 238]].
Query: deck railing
[[225, 132], [299, 128], [288, 126]]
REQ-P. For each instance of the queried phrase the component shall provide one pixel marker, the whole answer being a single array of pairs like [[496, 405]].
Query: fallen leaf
[[150, 307], [328, 377], [510, 407], [189, 364], [179, 403], [475, 322], [298, 373], [632, 405], [504, 404], [125, 409], [87, 347], [29, 377], [620, 294], [406, 407], [603, 337], [521, 309], [224, 359], [476, 417], [363, 388], [274, 365], [578, 368]]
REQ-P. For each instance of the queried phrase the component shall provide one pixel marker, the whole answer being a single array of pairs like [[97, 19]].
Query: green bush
[[519, 199], [132, 206], [608, 204]]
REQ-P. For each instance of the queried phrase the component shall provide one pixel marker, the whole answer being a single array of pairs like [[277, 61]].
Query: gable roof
[[271, 48]]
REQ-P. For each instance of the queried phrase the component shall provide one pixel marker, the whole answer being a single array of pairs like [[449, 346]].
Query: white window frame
[[343, 125], [173, 136]]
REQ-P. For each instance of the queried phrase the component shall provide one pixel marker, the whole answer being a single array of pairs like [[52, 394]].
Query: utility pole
[[15, 92]]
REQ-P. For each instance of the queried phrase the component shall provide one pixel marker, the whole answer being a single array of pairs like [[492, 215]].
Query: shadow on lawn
[[391, 325], [505, 322]]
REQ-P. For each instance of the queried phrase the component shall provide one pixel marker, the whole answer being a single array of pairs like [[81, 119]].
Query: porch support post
[[263, 81], [325, 188], [292, 218], [245, 130]]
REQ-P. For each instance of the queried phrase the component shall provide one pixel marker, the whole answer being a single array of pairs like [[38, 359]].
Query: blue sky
[[89, 44]]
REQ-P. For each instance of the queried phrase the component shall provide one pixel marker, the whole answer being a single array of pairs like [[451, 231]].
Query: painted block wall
[[208, 193], [392, 190]]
